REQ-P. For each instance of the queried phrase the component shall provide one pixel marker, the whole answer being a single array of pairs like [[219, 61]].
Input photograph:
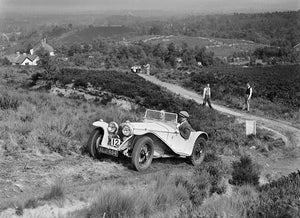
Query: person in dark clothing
[[248, 95], [207, 96], [184, 127]]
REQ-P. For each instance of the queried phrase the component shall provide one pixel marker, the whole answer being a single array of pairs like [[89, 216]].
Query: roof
[[19, 59]]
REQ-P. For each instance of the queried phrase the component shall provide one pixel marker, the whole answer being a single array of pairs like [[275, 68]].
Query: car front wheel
[[198, 153], [142, 153], [93, 142]]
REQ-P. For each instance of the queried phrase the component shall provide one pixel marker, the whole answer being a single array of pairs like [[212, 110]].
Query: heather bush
[[280, 198], [216, 171], [244, 172]]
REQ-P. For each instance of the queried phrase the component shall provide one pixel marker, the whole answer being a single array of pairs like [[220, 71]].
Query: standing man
[[184, 126], [248, 95], [207, 96]]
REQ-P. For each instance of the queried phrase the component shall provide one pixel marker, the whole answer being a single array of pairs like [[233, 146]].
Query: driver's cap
[[184, 114]]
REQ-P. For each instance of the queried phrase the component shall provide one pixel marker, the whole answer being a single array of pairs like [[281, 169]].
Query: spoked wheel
[[142, 153], [198, 153], [94, 141]]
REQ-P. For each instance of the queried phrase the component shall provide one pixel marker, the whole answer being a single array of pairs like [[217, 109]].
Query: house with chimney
[[30, 59], [23, 59]]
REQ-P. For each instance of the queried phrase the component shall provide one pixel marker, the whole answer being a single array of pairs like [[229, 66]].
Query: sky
[[33, 6]]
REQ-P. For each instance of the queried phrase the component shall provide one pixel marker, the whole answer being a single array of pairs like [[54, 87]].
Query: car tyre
[[142, 153], [198, 153], [94, 139]]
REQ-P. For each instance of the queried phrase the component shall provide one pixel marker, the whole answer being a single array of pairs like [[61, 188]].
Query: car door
[[180, 145]]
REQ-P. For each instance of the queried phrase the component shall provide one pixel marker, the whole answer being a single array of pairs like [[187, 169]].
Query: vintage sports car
[[156, 136]]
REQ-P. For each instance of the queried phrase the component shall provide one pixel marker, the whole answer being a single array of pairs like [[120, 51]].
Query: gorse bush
[[244, 172]]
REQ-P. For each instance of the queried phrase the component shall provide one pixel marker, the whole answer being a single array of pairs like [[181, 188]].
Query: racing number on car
[[115, 142]]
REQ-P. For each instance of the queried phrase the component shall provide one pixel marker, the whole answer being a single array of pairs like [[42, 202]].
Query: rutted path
[[289, 133]]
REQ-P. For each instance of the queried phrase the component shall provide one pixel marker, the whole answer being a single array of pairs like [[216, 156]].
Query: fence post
[[250, 127]]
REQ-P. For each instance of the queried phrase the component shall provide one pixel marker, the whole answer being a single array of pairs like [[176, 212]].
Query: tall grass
[[160, 195], [56, 192], [44, 123]]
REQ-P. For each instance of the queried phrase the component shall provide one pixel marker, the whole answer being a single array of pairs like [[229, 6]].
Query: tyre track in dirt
[[283, 129]]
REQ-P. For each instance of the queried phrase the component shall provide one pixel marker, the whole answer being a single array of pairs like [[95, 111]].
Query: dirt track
[[283, 129]]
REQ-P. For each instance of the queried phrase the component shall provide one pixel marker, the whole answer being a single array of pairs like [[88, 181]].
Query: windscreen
[[161, 116]]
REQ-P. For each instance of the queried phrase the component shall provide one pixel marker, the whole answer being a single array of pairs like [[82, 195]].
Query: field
[[221, 47], [276, 92], [87, 35]]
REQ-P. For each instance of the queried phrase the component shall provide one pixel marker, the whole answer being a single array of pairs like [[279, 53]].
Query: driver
[[184, 127]]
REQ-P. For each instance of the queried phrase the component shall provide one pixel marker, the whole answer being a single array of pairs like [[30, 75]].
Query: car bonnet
[[153, 126]]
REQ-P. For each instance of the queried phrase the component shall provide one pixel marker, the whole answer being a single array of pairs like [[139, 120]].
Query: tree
[[5, 61], [44, 59]]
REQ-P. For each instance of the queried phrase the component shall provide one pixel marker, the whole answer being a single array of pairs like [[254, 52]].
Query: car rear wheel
[[198, 153], [142, 153], [93, 142]]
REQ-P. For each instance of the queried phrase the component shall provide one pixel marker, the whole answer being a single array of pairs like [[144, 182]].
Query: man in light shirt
[[207, 96]]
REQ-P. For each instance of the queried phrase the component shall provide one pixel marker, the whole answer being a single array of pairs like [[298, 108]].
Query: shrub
[[216, 170], [112, 203], [56, 192], [9, 102], [238, 205], [280, 198], [244, 172]]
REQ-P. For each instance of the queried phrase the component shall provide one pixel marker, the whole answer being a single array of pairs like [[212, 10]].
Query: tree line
[[107, 53]]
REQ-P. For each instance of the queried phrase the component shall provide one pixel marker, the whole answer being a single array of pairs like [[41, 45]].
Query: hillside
[[50, 173]]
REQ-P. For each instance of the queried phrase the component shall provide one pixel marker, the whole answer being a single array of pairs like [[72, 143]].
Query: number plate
[[115, 142], [108, 151]]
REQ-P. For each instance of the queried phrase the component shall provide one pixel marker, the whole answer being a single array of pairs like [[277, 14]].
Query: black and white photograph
[[149, 109]]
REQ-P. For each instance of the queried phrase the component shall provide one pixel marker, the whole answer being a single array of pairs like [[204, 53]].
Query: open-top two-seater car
[[156, 136]]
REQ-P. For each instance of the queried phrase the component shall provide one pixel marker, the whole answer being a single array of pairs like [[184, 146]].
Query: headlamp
[[112, 127], [127, 130]]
